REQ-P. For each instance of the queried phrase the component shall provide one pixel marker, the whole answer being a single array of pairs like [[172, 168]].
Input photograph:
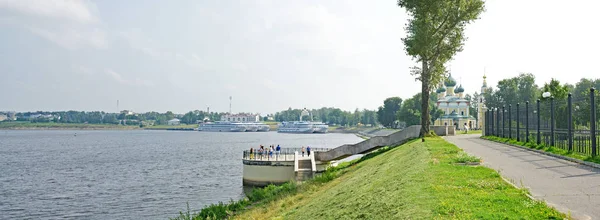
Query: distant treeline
[[100, 117], [331, 116]]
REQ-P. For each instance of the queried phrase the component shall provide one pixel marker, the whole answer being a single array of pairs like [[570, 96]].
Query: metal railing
[[570, 124], [285, 154]]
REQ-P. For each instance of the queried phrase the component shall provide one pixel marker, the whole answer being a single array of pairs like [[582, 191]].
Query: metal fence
[[570, 124], [285, 154]]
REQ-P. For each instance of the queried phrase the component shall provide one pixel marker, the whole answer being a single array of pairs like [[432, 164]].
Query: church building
[[454, 105]]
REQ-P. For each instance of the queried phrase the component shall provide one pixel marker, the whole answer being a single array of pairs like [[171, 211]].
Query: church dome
[[450, 82], [440, 90], [459, 89]]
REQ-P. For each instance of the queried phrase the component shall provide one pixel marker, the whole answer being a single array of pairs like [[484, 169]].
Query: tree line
[[331, 116], [522, 89], [396, 112], [101, 117]]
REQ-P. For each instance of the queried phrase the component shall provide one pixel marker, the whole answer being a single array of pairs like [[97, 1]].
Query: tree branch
[[441, 25]]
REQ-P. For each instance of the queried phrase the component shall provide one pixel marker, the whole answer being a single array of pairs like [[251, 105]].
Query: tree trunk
[[425, 79]]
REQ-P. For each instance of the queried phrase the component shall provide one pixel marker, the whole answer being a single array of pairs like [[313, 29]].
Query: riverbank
[[172, 127], [82, 126], [62, 126], [421, 180]]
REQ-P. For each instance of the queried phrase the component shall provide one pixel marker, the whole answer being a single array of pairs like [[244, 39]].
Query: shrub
[[463, 157]]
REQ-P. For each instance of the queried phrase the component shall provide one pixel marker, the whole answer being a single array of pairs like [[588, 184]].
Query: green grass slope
[[414, 181]]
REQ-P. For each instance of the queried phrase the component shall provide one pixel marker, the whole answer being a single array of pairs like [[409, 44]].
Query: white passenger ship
[[304, 127], [320, 127], [222, 126], [295, 127], [258, 126]]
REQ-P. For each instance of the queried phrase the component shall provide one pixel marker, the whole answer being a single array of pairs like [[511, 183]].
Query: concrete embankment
[[372, 143]]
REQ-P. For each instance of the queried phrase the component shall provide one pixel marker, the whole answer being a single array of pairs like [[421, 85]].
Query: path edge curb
[[590, 164]]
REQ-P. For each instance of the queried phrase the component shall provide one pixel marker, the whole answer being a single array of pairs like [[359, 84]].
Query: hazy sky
[[269, 55]]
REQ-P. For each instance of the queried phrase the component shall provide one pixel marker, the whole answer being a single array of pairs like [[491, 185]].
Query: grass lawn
[[470, 132], [413, 181], [52, 125], [550, 149]]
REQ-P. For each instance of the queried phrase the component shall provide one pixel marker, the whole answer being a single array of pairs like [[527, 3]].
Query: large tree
[[387, 113], [557, 90], [435, 34], [511, 91], [518, 89], [410, 113]]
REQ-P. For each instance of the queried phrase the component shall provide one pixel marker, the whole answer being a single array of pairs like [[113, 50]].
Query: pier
[[289, 164]]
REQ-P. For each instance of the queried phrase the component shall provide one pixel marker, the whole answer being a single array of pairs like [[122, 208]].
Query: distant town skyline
[[267, 55]]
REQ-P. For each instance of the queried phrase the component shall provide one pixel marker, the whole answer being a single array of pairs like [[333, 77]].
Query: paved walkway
[[570, 187]]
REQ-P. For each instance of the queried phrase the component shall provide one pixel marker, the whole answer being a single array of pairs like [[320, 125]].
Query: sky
[[268, 55]]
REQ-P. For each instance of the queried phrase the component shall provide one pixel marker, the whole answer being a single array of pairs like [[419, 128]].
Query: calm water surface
[[127, 174]]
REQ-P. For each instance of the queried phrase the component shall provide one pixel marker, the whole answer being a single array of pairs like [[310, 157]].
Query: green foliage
[[386, 114], [53, 125], [581, 102], [98, 117], [514, 90], [224, 210], [331, 116], [557, 90], [272, 192], [463, 157], [411, 110], [474, 102], [435, 35], [550, 149], [522, 88]]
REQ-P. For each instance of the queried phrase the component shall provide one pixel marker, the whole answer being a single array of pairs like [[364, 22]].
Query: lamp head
[[546, 94]]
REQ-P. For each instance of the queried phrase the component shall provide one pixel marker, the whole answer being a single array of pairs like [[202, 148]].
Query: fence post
[[510, 121], [492, 125], [497, 122], [570, 120], [527, 121], [552, 121], [518, 124], [503, 119], [593, 122], [538, 141], [487, 122]]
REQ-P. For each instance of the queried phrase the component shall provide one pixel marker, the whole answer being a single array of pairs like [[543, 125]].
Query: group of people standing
[[265, 151]]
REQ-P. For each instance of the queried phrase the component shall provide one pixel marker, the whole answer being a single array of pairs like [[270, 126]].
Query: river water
[[128, 174]]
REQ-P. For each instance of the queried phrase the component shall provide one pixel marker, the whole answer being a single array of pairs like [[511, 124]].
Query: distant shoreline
[[64, 128], [112, 127], [81, 126]]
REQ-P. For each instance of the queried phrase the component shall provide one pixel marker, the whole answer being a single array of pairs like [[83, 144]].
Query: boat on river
[[222, 126]]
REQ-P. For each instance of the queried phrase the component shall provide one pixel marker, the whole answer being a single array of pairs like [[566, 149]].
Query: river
[[128, 174]]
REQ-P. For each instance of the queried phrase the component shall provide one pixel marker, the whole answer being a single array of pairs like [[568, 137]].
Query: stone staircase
[[372, 143], [304, 167], [304, 164]]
